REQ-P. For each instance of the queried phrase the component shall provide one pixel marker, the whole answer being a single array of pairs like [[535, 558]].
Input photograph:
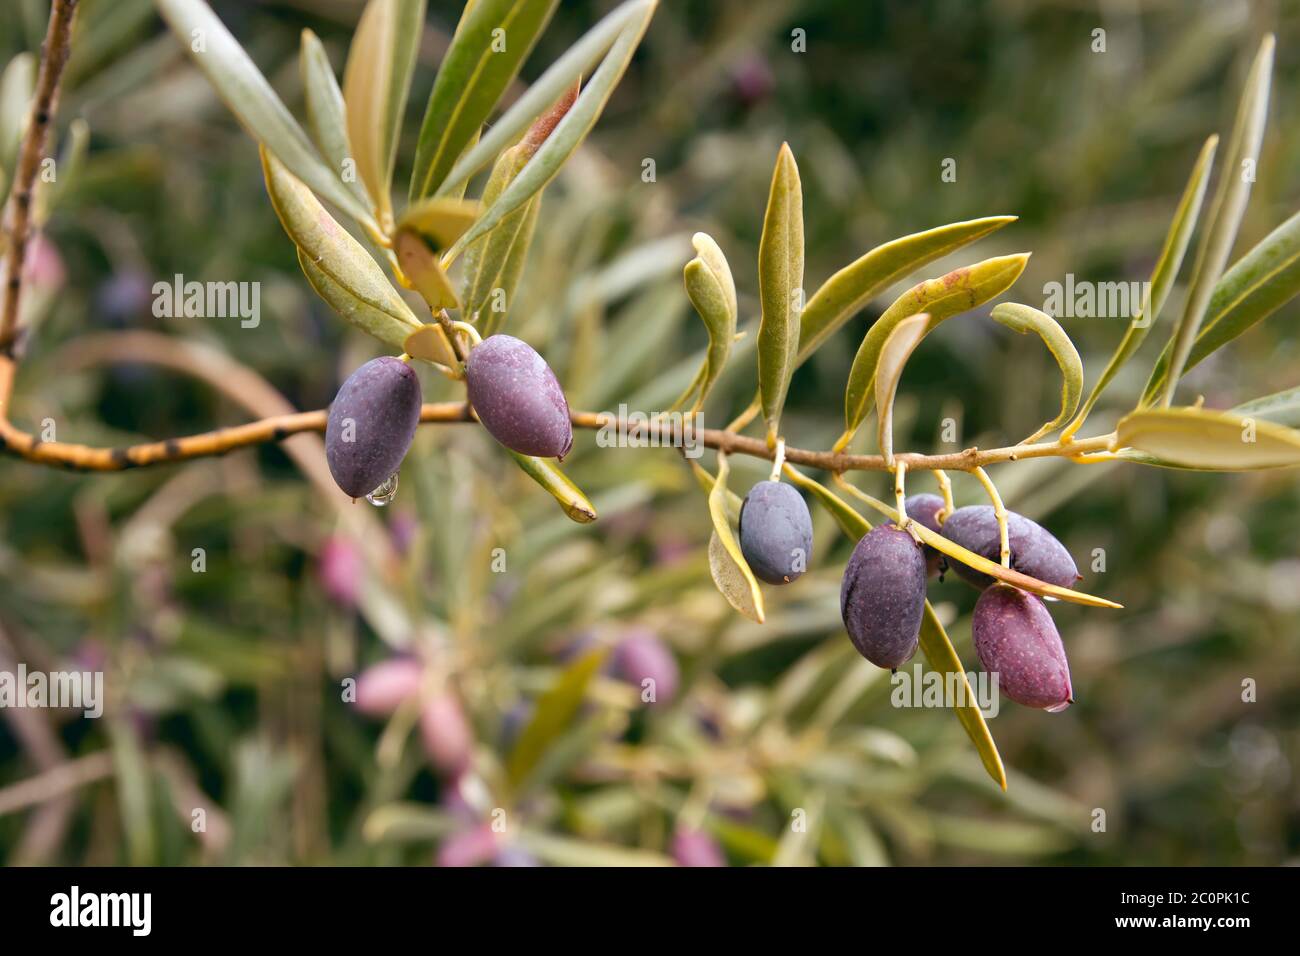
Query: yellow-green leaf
[[850, 521], [547, 473], [555, 711], [424, 271], [1025, 319], [17, 86], [355, 311], [951, 294], [1209, 440], [1281, 407], [442, 219], [712, 291], [780, 287], [730, 571], [898, 348], [848, 291], [430, 343], [326, 113]]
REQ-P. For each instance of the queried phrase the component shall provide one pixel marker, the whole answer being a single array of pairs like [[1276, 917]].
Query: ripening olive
[[647, 663], [1034, 551], [882, 597], [371, 424], [517, 397], [775, 532], [1017, 640]]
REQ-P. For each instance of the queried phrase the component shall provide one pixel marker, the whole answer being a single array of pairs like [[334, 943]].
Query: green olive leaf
[[571, 130], [898, 348], [364, 296], [496, 261], [326, 113], [1260, 283], [1025, 319], [935, 643], [250, 97], [712, 291], [780, 288], [707, 482], [1162, 278], [1226, 212], [492, 40], [376, 81], [1208, 440], [554, 713], [726, 564], [1280, 407], [848, 291], [951, 294], [547, 473]]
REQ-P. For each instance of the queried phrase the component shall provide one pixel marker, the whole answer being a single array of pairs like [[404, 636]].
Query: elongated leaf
[[707, 482], [894, 354], [547, 473], [1261, 282], [1280, 407], [848, 291], [1024, 319], [440, 219], [780, 288], [423, 270], [555, 711], [376, 81], [430, 343], [363, 296], [727, 565], [712, 291], [951, 294], [17, 86], [560, 76], [570, 132], [1229, 206], [326, 114], [250, 97], [1162, 277], [492, 41], [1209, 440], [935, 643]]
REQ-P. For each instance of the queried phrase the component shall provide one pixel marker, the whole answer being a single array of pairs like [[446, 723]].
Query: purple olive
[[517, 397], [1017, 640], [922, 509], [448, 739], [383, 687], [775, 532], [371, 425], [643, 660], [1034, 551], [696, 848], [340, 569], [882, 596]]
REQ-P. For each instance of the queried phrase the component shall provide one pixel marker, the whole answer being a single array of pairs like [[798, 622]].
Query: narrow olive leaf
[[935, 644], [17, 86], [375, 84], [848, 291], [727, 565], [547, 473], [1280, 407], [440, 219], [1260, 283], [1162, 278], [898, 348], [951, 294], [1211, 440], [1025, 319], [326, 114], [938, 650], [423, 270], [492, 41], [707, 482], [570, 131], [554, 712], [382, 325], [780, 288], [712, 290], [1226, 212], [250, 97], [547, 89], [331, 250]]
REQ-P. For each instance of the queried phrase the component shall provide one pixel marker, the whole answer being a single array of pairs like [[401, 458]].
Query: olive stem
[[999, 510], [778, 459], [945, 489], [900, 494]]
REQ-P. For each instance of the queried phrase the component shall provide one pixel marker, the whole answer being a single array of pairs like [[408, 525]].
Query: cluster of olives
[[372, 420], [882, 597]]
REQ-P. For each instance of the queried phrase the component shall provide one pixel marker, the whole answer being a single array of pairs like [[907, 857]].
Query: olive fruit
[[775, 532], [1016, 639], [1034, 550], [692, 847], [517, 397], [371, 424], [882, 597], [647, 663], [922, 509]]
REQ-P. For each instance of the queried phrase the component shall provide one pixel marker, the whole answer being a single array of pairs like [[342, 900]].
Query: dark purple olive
[[517, 397], [371, 424], [882, 597], [1034, 551], [776, 532], [922, 509], [1017, 640]]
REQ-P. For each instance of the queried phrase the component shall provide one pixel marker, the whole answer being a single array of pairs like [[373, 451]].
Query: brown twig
[[18, 214]]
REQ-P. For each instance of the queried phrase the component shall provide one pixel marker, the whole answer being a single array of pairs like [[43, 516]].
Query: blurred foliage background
[[225, 685]]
